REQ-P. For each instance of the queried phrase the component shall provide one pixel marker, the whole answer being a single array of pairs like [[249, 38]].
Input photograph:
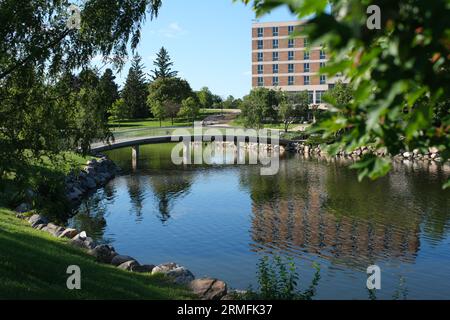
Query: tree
[[158, 110], [109, 90], [231, 103], [118, 111], [258, 106], [134, 92], [36, 51], [340, 95], [170, 92], [400, 74], [189, 109], [205, 98], [252, 111], [291, 107], [163, 66]]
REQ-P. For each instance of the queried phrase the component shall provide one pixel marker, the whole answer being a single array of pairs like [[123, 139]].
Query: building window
[[319, 96], [291, 55], [260, 69], [310, 97], [290, 30], [306, 55], [291, 68], [260, 56], [322, 64], [323, 79], [305, 42], [274, 56], [275, 43], [260, 44], [306, 80], [260, 81], [275, 31], [260, 32], [291, 80], [275, 68], [275, 81], [290, 43], [322, 54], [306, 67]]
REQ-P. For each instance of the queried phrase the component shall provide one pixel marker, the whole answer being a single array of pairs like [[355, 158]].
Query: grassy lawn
[[154, 123], [33, 265]]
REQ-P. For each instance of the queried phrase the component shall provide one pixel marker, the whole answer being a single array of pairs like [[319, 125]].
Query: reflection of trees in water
[[136, 192], [167, 188], [322, 209], [90, 214]]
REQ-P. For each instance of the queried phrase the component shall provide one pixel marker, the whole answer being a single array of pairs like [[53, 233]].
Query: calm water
[[220, 220]]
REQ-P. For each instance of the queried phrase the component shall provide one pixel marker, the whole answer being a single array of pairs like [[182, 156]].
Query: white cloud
[[173, 30]]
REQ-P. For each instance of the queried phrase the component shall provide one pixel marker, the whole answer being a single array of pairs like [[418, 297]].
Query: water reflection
[[319, 207], [220, 219], [167, 188]]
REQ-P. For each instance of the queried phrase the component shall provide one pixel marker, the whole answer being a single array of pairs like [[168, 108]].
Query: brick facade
[[289, 58]]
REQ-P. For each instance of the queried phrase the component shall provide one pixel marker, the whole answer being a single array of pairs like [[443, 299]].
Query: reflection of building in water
[[310, 218]]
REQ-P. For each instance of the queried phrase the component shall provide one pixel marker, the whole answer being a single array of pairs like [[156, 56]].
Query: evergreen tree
[[163, 66], [134, 92], [108, 90]]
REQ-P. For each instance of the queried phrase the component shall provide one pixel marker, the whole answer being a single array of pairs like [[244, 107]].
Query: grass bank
[[33, 265], [117, 126]]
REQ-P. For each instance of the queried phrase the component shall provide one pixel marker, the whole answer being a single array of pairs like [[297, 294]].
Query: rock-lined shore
[[303, 148], [93, 176], [205, 288]]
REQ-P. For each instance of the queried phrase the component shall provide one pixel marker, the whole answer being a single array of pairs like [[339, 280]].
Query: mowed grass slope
[[33, 265]]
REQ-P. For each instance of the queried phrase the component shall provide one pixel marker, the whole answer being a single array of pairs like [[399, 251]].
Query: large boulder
[[90, 183], [103, 253], [69, 233], [81, 240], [129, 265], [74, 194], [209, 288], [40, 226], [53, 229], [119, 259], [146, 268], [178, 274], [36, 219], [23, 207]]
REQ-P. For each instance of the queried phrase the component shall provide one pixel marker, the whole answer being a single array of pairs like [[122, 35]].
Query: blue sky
[[209, 42]]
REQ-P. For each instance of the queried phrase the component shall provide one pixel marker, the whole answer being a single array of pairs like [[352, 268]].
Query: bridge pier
[[134, 157]]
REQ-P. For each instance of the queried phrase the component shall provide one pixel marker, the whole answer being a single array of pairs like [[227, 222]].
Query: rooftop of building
[[278, 23]]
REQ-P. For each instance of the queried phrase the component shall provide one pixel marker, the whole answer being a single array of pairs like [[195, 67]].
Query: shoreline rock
[[308, 150], [96, 174], [209, 288], [179, 274]]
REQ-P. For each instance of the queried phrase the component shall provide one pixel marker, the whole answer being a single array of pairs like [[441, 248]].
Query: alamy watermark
[[374, 279], [262, 147], [374, 20], [74, 280]]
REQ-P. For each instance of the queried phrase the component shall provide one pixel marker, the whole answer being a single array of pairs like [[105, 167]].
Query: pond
[[220, 220]]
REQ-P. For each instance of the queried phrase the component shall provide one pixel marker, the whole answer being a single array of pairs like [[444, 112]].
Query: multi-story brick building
[[290, 64]]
